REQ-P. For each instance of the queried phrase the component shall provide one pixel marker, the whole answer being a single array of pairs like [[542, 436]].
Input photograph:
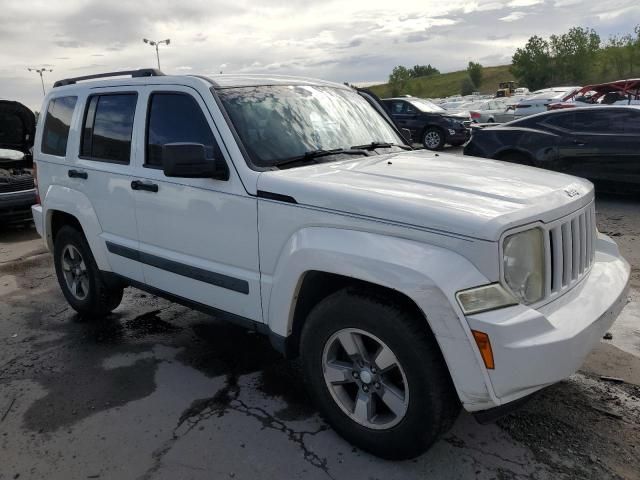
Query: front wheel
[[79, 277], [377, 375], [433, 139]]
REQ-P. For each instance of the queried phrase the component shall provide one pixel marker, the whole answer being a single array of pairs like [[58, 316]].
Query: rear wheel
[[433, 139], [377, 374], [79, 277]]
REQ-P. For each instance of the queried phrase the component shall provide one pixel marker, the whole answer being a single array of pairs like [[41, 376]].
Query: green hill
[[446, 84]]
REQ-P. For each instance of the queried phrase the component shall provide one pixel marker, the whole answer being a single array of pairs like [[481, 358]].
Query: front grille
[[571, 247], [16, 183]]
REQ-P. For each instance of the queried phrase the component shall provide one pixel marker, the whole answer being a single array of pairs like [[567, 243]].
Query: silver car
[[497, 110]]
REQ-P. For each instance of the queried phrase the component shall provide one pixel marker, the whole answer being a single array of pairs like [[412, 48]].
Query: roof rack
[[143, 72]]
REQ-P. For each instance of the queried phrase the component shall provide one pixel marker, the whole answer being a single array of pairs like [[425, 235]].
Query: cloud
[[524, 3], [513, 17], [417, 37], [355, 41], [68, 43]]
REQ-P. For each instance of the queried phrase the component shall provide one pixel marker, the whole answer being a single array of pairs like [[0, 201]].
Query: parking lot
[[161, 391]]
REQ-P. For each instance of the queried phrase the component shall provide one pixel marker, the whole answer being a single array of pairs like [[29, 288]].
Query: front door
[[198, 236]]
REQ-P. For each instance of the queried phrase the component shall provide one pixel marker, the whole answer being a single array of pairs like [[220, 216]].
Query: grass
[[447, 84]]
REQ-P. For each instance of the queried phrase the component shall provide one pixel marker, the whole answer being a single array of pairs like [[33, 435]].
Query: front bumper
[[16, 206], [535, 348], [36, 212], [458, 135]]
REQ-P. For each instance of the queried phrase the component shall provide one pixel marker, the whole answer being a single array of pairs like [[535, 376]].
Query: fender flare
[[73, 202], [428, 275]]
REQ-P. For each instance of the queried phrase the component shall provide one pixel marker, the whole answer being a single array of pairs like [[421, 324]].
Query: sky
[[344, 40]]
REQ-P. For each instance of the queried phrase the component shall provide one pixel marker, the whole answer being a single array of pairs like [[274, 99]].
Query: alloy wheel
[[432, 139], [75, 272], [365, 378]]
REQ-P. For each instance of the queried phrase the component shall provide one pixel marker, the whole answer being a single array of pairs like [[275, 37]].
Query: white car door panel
[[102, 170], [198, 236]]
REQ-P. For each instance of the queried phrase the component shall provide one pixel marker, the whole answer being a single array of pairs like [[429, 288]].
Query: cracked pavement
[[159, 391]]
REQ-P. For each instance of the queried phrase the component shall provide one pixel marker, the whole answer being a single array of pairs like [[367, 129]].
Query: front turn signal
[[484, 345]]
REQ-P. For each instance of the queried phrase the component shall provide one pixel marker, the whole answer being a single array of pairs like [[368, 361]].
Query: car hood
[[17, 126], [443, 193]]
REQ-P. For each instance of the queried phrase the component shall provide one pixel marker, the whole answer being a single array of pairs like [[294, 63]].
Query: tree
[[398, 79], [574, 53], [475, 73], [532, 64], [423, 71], [467, 87]]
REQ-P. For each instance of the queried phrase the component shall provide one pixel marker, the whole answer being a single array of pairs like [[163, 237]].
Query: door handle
[[149, 187], [78, 174], [579, 143]]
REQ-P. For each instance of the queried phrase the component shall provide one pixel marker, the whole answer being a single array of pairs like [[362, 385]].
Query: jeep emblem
[[572, 192]]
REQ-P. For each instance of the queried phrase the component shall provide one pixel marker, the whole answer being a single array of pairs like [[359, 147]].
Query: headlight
[[482, 299], [523, 260]]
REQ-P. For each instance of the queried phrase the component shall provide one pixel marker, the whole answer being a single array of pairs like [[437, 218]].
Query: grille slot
[[570, 250], [16, 183]]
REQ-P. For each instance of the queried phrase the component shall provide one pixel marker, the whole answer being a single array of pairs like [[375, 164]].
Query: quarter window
[[593, 121], [56, 125], [176, 118], [108, 125]]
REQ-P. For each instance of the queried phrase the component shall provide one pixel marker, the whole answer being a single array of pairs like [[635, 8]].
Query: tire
[[491, 120], [433, 139], [73, 260], [425, 401]]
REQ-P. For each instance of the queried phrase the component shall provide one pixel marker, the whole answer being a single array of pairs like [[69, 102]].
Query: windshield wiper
[[312, 155], [374, 145]]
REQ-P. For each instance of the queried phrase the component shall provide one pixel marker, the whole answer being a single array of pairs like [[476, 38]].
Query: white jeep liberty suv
[[408, 282]]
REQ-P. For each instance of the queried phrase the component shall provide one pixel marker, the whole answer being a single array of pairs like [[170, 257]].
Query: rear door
[[102, 170], [601, 145], [198, 236]]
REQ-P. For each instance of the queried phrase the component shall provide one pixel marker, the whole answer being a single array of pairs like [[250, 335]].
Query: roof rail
[[143, 72]]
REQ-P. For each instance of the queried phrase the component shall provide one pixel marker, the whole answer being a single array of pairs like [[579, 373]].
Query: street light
[[157, 43], [41, 71]]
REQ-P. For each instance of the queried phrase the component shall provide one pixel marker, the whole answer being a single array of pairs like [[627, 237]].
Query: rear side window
[[563, 120], [56, 125], [594, 121], [176, 118], [108, 124], [624, 121]]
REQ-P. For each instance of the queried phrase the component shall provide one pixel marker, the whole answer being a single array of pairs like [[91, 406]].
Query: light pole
[[40, 71], [157, 43]]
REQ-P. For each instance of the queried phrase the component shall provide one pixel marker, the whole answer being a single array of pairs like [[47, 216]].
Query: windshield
[[278, 122], [425, 105]]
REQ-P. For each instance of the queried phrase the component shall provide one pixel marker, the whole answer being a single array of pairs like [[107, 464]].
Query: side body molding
[[75, 203], [428, 275]]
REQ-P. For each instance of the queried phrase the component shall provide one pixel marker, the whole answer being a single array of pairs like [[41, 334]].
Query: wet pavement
[[159, 391]]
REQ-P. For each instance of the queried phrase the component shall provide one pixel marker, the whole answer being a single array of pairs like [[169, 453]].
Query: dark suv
[[429, 124], [17, 189]]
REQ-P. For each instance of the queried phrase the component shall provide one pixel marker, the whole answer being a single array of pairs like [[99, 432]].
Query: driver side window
[[176, 117]]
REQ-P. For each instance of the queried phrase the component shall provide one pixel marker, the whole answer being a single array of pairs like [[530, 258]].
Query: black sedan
[[429, 124], [599, 143]]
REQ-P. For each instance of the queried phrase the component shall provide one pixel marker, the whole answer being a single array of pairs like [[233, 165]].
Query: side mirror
[[188, 160], [406, 133]]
